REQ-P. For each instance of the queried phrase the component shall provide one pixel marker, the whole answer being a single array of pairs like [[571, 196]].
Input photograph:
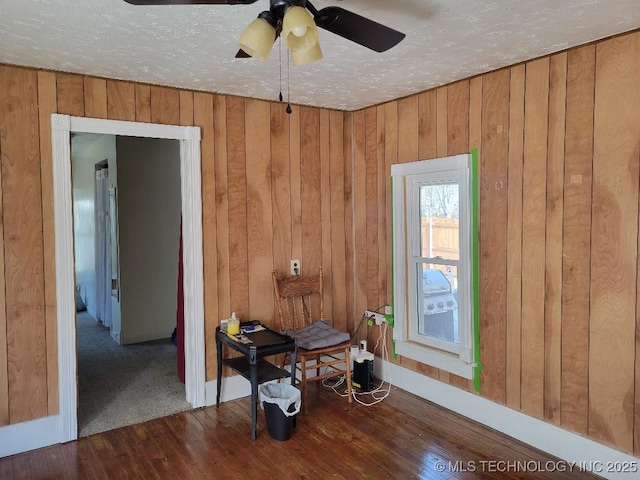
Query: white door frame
[[190, 178]]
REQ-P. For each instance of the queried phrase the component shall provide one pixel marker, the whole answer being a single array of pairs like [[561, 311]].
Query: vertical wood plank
[[360, 212], [475, 114], [636, 404], [4, 366], [259, 208], [23, 245], [384, 231], [237, 193], [614, 241], [533, 235], [339, 264], [427, 128], [442, 120], [553, 267], [186, 110], [514, 237], [347, 149], [493, 233], [223, 296], [202, 116], [295, 158], [47, 104], [391, 157], [576, 247], [70, 89], [121, 100], [186, 99], [458, 118], [408, 132], [325, 211], [165, 105], [280, 189], [95, 97], [310, 190], [143, 102], [371, 208]]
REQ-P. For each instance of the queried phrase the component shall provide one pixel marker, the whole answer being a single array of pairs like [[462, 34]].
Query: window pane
[[439, 212], [439, 303]]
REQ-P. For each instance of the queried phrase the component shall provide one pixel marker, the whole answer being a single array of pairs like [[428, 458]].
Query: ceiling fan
[[296, 21]]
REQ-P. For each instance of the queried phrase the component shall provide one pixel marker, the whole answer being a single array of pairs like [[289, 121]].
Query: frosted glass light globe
[[299, 31]]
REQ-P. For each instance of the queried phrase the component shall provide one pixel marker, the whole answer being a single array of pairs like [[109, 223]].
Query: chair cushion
[[318, 335]]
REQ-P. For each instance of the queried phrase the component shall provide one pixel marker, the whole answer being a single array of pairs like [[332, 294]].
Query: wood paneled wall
[[559, 147], [273, 186], [558, 140]]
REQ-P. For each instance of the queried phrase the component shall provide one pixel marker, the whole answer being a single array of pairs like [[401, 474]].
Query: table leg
[[293, 378], [219, 379], [254, 395], [293, 366]]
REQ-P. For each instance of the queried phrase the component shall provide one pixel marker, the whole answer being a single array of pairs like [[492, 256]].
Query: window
[[432, 263]]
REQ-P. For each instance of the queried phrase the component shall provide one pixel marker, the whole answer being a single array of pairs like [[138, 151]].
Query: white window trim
[[461, 362]]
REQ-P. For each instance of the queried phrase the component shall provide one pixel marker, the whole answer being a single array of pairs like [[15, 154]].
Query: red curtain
[[180, 313]]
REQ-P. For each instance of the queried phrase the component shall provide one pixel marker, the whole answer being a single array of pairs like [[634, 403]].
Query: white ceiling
[[194, 47]]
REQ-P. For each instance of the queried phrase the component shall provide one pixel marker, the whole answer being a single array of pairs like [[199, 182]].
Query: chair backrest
[[298, 299]]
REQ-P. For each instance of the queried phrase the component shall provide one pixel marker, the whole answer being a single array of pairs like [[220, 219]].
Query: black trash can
[[280, 403]]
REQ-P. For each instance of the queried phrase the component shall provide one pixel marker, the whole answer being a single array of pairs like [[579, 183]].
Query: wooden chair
[[301, 312]]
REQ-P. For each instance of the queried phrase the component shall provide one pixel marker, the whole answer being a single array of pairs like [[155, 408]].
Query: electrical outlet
[[379, 318], [295, 267], [388, 314]]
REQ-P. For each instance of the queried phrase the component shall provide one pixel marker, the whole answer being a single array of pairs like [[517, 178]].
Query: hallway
[[123, 385]]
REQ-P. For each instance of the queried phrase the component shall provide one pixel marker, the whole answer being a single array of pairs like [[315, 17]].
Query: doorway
[[191, 206], [126, 238]]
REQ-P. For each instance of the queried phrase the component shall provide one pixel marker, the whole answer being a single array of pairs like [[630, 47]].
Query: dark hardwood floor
[[402, 437]]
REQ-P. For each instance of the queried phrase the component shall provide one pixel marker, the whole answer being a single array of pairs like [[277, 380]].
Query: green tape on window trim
[[475, 268]]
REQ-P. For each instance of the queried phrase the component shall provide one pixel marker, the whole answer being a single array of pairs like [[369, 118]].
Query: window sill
[[435, 358]]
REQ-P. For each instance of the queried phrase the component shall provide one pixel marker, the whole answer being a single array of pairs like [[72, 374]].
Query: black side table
[[252, 365]]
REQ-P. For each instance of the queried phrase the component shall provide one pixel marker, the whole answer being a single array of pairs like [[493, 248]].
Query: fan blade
[[190, 2], [358, 29]]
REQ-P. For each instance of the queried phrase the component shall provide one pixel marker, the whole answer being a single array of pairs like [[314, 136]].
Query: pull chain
[[280, 61], [288, 109]]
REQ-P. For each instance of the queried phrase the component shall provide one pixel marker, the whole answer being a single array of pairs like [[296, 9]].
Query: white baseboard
[[232, 388], [25, 436], [574, 449], [47, 431]]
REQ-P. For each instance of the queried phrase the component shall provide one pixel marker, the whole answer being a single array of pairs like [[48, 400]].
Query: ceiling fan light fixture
[[299, 29], [257, 39], [307, 56]]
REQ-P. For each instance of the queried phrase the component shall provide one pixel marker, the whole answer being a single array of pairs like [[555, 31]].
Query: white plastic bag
[[80, 305], [282, 395]]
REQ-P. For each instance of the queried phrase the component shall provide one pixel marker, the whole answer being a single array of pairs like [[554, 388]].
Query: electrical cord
[[341, 380], [355, 332], [385, 359]]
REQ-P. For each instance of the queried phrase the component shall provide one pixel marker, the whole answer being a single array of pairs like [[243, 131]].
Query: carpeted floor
[[123, 385]]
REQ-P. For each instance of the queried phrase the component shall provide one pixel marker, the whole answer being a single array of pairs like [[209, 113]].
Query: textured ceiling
[[194, 46]]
